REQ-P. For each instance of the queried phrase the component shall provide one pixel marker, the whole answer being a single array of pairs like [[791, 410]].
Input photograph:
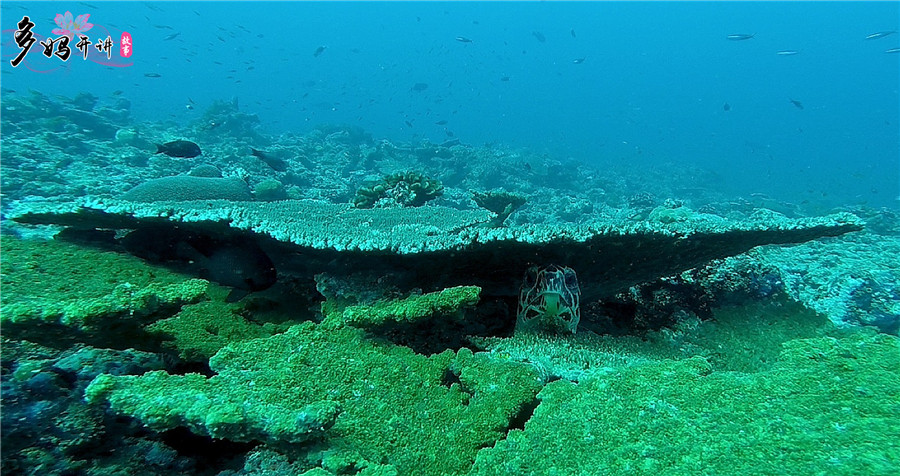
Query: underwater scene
[[450, 238]]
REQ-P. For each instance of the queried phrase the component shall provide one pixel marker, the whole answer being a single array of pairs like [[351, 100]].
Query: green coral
[[828, 406], [200, 330], [447, 303], [386, 403], [403, 189], [52, 282]]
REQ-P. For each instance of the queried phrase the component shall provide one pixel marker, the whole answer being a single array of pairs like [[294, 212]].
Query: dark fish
[[540, 36], [578, 60], [463, 39], [152, 75], [179, 148], [408, 124], [572, 32], [319, 51], [892, 50], [797, 104], [504, 78], [277, 164], [880, 34], [787, 52], [172, 36], [441, 122], [163, 27], [726, 107], [240, 264], [740, 36], [419, 87]]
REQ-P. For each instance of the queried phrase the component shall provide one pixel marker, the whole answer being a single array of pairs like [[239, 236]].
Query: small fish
[[172, 36], [572, 32], [797, 104], [441, 122], [578, 60], [880, 34], [163, 27], [740, 36], [787, 52], [892, 50], [277, 164], [463, 39], [540, 36], [408, 124], [726, 107], [504, 78], [179, 148], [319, 51], [152, 75], [419, 87]]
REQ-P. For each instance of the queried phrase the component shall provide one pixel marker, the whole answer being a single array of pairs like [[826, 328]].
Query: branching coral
[[403, 189]]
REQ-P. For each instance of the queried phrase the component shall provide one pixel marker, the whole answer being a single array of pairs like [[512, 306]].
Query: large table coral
[[445, 247]]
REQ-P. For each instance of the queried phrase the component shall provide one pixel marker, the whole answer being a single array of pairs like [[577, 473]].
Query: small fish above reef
[[787, 52], [797, 104], [892, 50], [540, 36], [152, 75], [319, 51], [419, 87], [739, 36], [726, 107], [463, 39], [880, 34], [277, 164], [578, 60], [179, 148]]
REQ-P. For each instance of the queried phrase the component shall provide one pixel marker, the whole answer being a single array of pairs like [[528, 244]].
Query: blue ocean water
[[652, 87]]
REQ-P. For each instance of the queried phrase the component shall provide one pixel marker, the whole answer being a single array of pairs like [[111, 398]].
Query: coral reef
[[765, 361], [501, 202], [382, 402], [189, 187], [681, 414], [54, 290], [402, 189]]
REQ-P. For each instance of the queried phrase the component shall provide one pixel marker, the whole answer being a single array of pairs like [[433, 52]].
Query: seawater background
[[650, 92]]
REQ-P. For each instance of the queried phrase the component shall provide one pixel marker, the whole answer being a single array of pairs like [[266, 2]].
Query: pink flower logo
[[70, 27]]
